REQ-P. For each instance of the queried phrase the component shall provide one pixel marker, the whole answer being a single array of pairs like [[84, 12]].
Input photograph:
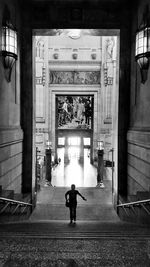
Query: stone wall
[[139, 131], [11, 135], [11, 159], [138, 161]]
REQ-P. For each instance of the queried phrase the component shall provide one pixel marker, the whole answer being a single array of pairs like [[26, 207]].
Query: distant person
[[80, 111], [87, 112], [71, 197]]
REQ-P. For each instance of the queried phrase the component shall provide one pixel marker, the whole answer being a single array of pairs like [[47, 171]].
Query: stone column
[[66, 159], [48, 166], [81, 159], [100, 168]]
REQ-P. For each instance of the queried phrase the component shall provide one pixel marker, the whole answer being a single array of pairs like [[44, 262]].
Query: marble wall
[[139, 131]]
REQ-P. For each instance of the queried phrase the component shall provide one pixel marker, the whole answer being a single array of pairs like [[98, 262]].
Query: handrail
[[134, 203], [15, 201]]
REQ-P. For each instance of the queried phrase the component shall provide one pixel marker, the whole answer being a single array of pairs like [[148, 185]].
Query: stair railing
[[7, 202], [132, 205]]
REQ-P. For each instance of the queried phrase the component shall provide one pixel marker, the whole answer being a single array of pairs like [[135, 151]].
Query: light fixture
[[9, 44], [48, 144], [100, 145], [142, 49], [43, 75]]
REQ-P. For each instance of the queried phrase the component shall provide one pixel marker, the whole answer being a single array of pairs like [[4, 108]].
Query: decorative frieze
[[74, 77]]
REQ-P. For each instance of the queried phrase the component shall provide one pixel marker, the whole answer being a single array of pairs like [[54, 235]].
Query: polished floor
[[51, 199], [98, 207], [82, 175]]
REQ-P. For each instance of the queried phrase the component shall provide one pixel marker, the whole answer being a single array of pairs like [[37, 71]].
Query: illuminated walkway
[[51, 199], [98, 207], [82, 175]]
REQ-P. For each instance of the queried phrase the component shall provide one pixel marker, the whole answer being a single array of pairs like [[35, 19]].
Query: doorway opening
[[77, 64], [75, 166]]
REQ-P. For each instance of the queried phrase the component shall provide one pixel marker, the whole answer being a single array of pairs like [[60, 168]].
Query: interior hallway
[[82, 175], [51, 199]]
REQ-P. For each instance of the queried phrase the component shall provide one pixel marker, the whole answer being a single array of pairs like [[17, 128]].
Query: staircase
[[84, 244], [14, 207], [98, 207], [98, 239], [136, 208]]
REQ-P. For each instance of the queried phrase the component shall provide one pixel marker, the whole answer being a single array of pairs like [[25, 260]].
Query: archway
[[105, 99]]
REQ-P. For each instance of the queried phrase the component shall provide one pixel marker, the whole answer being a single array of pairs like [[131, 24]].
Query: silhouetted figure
[[87, 112], [71, 197]]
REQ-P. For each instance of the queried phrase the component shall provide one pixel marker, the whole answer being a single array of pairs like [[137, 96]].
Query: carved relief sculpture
[[74, 77]]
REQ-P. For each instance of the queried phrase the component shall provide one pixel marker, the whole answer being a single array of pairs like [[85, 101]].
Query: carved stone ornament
[[74, 77], [55, 56], [93, 56], [75, 56]]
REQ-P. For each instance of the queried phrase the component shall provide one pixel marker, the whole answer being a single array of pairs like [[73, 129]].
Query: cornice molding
[[74, 65]]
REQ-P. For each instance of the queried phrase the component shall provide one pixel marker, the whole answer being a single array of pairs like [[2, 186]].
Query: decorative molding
[[59, 65], [81, 62], [74, 77], [55, 55], [40, 120], [74, 55], [108, 121], [94, 55]]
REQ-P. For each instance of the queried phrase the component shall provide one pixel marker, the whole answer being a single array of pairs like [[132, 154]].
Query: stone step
[[84, 212], [62, 227], [74, 253], [85, 244], [66, 235]]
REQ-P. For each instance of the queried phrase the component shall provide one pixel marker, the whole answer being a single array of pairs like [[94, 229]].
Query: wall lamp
[[9, 44], [142, 49], [100, 145], [48, 144]]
